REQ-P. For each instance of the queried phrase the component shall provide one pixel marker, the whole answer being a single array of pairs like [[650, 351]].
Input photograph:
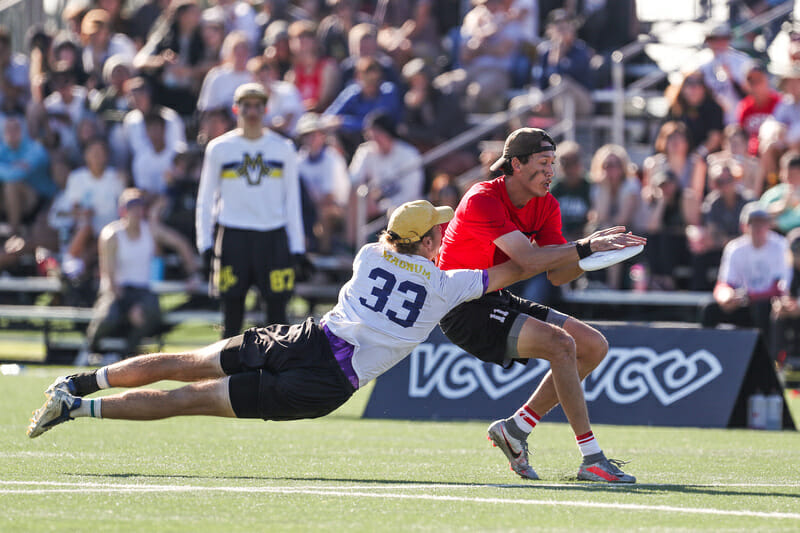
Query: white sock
[[87, 407], [588, 444], [102, 378], [526, 419]]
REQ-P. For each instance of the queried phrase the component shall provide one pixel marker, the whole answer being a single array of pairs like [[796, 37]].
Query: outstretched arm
[[561, 261]]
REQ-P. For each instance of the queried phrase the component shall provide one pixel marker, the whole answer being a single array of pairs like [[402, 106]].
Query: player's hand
[[614, 239], [303, 267]]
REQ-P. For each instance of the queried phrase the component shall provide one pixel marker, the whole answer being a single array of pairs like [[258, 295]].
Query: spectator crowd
[[127, 97]]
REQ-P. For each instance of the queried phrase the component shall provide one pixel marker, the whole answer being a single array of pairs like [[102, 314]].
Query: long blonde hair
[[596, 170]]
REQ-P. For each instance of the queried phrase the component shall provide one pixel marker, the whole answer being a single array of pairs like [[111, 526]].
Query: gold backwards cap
[[412, 220]]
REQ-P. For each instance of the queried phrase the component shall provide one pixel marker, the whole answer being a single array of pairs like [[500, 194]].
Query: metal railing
[[621, 94], [19, 15], [618, 59]]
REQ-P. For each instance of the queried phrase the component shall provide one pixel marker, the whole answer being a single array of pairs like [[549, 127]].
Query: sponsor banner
[[662, 376]]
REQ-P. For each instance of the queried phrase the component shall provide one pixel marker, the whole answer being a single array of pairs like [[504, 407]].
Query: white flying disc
[[600, 260]]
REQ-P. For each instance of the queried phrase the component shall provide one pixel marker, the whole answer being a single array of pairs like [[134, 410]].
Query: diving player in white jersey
[[250, 188], [393, 301]]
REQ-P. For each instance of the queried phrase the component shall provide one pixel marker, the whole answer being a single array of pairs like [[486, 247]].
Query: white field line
[[348, 492], [399, 486]]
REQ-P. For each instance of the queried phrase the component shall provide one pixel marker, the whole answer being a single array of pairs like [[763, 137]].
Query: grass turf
[[343, 473]]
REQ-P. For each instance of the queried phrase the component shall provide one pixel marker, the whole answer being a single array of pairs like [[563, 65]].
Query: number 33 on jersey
[[393, 302]]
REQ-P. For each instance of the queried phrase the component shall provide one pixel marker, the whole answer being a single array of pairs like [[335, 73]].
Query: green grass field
[[344, 473]]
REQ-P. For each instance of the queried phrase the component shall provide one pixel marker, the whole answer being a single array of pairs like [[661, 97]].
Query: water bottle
[[157, 268], [638, 275], [774, 411], [757, 411]]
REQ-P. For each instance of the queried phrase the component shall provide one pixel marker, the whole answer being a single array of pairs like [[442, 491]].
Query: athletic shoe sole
[[54, 411]]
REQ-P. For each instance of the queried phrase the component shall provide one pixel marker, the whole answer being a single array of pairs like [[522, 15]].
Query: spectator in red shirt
[[515, 218], [757, 106]]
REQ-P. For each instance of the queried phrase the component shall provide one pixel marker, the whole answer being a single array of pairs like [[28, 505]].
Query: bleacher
[[53, 321]]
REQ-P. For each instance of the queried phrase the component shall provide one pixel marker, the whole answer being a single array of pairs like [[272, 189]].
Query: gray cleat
[[605, 470], [516, 450]]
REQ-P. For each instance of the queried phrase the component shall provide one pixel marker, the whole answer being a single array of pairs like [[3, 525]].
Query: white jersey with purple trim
[[392, 303]]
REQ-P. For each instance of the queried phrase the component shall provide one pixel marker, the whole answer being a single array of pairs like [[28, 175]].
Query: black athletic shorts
[[284, 373], [244, 258], [482, 327]]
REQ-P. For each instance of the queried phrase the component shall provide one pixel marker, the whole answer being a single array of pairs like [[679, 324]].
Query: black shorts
[[244, 258], [284, 373], [481, 327]]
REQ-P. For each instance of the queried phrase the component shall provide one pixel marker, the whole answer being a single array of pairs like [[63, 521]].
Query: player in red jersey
[[514, 217]]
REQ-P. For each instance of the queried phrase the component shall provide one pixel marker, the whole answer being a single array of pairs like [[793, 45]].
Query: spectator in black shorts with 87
[[515, 218]]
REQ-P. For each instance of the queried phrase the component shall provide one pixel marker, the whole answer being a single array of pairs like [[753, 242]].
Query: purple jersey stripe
[[343, 352]]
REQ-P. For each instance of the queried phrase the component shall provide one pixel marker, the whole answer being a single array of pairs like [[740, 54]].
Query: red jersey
[[752, 116], [309, 82], [486, 213]]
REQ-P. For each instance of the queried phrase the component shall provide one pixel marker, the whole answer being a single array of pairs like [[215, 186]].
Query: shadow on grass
[[562, 485]]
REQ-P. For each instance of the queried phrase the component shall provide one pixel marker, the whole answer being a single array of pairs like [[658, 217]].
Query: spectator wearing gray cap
[[724, 70], [324, 175], [276, 45], [752, 272]]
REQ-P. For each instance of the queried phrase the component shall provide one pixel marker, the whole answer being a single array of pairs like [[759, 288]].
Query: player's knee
[[564, 351], [596, 348]]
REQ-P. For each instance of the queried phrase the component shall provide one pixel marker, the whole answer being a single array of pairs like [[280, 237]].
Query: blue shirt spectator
[[563, 53], [24, 174], [25, 160], [368, 94]]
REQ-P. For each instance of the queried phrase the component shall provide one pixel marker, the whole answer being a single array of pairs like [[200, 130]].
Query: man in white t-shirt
[[100, 43], [221, 81], [285, 104], [151, 162], [133, 126], [391, 168], [752, 272], [391, 304]]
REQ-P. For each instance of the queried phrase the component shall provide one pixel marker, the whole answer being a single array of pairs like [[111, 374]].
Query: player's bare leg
[[196, 365], [562, 384], [204, 398], [547, 341], [208, 398], [554, 344], [591, 348]]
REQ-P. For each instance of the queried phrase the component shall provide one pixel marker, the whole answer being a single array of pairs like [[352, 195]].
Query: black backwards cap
[[525, 141]]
